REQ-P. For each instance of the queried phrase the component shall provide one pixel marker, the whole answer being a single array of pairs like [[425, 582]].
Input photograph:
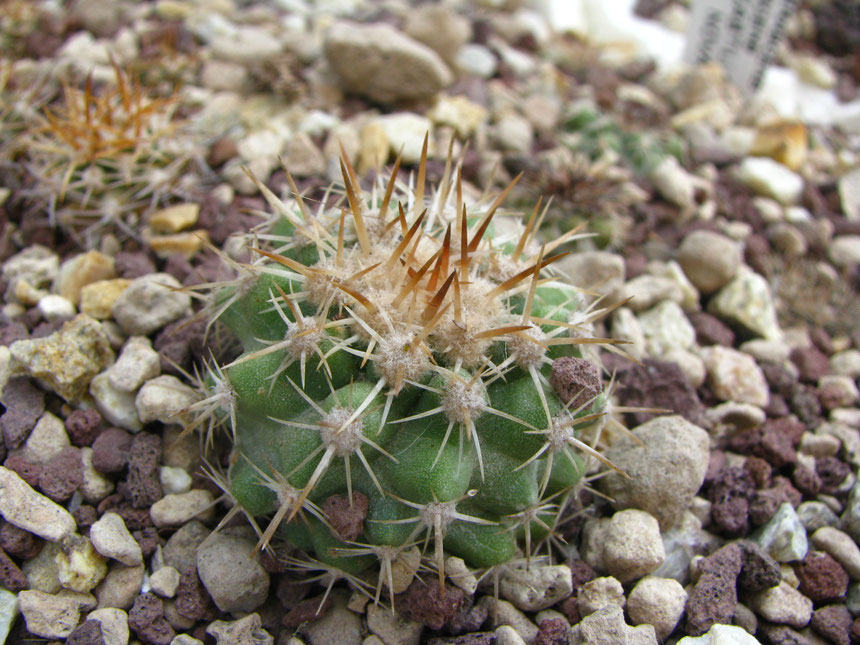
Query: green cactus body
[[405, 359]]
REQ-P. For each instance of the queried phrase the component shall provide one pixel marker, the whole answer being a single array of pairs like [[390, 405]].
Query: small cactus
[[408, 376]]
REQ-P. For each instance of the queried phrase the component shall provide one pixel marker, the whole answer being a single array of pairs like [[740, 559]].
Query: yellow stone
[[373, 147], [80, 567], [785, 142], [460, 113], [82, 270], [98, 297], [186, 244], [175, 218]]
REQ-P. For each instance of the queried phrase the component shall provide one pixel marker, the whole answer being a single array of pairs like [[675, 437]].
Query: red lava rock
[[11, 576], [834, 622], [759, 470], [87, 633], [110, 451], [811, 363], [822, 579], [480, 638], [63, 475], [806, 480], [777, 406], [424, 602], [306, 611], [581, 573], [552, 631], [12, 330], [570, 608], [759, 571], [710, 330], [148, 539], [780, 634], [146, 618], [192, 599], [756, 250], [468, 619], [19, 543], [821, 339], [769, 442], [855, 631], [658, 384], [25, 403], [830, 396], [804, 403], [347, 519], [730, 495], [832, 472], [85, 516], [83, 426], [181, 342], [779, 378], [575, 380], [765, 502], [712, 600], [144, 485], [221, 151], [27, 471], [133, 264]]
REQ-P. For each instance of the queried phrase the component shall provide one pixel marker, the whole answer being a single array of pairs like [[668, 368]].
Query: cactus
[[408, 375]]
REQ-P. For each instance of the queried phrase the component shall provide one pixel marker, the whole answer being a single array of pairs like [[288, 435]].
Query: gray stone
[[535, 586], [25, 508], [844, 250], [111, 538], [747, 301], [53, 615], [721, 635], [709, 259], [607, 627], [783, 605], [149, 303], [114, 624], [175, 510], [664, 473], [599, 592], [338, 625], [384, 64], [8, 612], [233, 589], [735, 376], [666, 327], [245, 631], [658, 602], [137, 363], [164, 398], [633, 546], [783, 537]]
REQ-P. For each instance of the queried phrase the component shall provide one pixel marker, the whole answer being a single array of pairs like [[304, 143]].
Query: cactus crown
[[401, 377]]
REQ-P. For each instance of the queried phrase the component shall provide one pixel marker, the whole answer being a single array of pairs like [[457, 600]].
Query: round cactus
[[408, 375]]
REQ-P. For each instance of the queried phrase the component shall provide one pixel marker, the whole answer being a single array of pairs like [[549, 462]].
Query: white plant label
[[739, 34]]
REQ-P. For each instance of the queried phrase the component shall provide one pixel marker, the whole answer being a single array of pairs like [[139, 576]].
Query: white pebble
[[25, 508], [112, 539], [163, 398], [54, 308], [174, 481], [137, 363]]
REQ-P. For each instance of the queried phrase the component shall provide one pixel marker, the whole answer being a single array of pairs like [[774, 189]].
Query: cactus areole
[[397, 383]]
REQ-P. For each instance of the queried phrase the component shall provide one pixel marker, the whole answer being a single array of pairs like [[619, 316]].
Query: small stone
[[784, 141], [22, 506], [405, 132], [246, 631], [175, 510], [771, 179], [67, 359], [110, 450], [338, 625], [721, 635], [747, 301], [146, 618], [163, 398], [666, 327], [97, 298], [180, 551], [83, 426], [81, 270], [459, 113], [111, 538], [53, 615], [849, 194], [477, 60], [25, 404], [383, 64], [114, 624], [782, 604], [841, 547], [165, 582], [659, 602], [46, 441], [233, 589], [735, 376], [834, 622], [501, 612], [599, 592], [120, 586], [844, 251], [80, 567], [174, 481], [709, 259], [674, 183], [439, 27], [533, 587], [430, 604], [391, 628], [783, 537], [822, 579], [633, 545], [607, 625], [55, 308], [174, 218], [514, 133], [575, 380], [116, 406], [35, 265], [149, 303], [137, 363], [63, 475]]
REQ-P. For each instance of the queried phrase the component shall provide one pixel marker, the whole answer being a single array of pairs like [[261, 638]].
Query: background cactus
[[407, 374]]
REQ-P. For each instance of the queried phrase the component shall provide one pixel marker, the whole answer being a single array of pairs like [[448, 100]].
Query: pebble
[[514, 132], [79, 567], [405, 133], [24, 507], [120, 586], [46, 441], [174, 481], [175, 510], [632, 546], [233, 589], [501, 612], [391, 628], [647, 290], [53, 615], [440, 28], [460, 575], [338, 624], [185, 639], [137, 363], [596, 594], [747, 301], [771, 179], [709, 260], [180, 551], [658, 602], [533, 586], [165, 581], [383, 64], [112, 539], [465, 116], [174, 218], [721, 635], [477, 60], [674, 183], [114, 624], [246, 45], [840, 547], [783, 536], [98, 298], [666, 327], [507, 635], [67, 359], [149, 303], [783, 605], [245, 631], [8, 612], [55, 308], [844, 251], [81, 270], [665, 473], [849, 194], [607, 625], [35, 265], [163, 398], [813, 515], [735, 376]]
